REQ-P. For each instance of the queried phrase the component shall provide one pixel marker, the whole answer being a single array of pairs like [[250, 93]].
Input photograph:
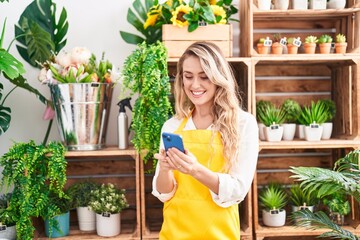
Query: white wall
[[93, 24]]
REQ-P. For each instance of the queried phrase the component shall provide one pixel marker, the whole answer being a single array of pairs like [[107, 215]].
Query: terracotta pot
[[262, 49], [325, 48], [292, 49], [309, 48], [276, 48], [340, 47]]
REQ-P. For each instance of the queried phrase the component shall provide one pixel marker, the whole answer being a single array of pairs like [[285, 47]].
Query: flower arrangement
[[108, 199], [77, 66], [182, 13]]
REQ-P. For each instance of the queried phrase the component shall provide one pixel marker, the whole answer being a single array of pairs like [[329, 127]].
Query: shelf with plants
[[107, 165]]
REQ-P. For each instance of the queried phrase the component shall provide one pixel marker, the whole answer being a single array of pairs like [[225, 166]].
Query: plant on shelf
[[310, 44], [261, 47], [344, 178], [292, 46], [338, 206], [152, 15], [276, 47], [273, 198], [272, 116], [325, 41], [301, 198], [340, 43], [107, 202], [7, 224], [143, 69], [260, 108], [33, 171], [292, 111], [328, 124]]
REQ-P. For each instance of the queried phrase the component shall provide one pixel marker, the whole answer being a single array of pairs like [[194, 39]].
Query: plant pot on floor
[[86, 219], [63, 223], [8, 233], [108, 225], [274, 218]]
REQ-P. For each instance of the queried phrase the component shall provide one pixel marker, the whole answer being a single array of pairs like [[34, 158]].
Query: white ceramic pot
[[336, 4], [289, 131], [9, 233], [327, 130], [264, 4], [261, 127], [317, 4], [108, 225], [313, 134], [300, 131], [274, 218], [281, 4], [273, 134], [299, 4], [86, 219]]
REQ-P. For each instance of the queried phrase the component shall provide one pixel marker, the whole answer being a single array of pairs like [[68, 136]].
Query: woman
[[202, 187]]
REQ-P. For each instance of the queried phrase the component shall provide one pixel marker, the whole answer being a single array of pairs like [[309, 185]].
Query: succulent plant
[[311, 39], [340, 38], [325, 38]]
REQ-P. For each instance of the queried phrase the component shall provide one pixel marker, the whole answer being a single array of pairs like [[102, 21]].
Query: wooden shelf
[[107, 151], [300, 144], [308, 14]]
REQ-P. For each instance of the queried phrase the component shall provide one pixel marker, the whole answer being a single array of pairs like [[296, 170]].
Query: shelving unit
[[303, 77], [121, 167]]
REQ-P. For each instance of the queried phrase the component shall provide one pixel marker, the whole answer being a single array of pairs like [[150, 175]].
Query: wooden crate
[[120, 167], [177, 39]]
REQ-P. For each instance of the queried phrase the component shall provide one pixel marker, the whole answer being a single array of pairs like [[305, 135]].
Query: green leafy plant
[[301, 197], [145, 72], [311, 39], [325, 38], [80, 193], [108, 199], [270, 114], [261, 106], [273, 197], [337, 203], [292, 110], [315, 113], [331, 109], [151, 16], [340, 38], [5, 215], [33, 171]]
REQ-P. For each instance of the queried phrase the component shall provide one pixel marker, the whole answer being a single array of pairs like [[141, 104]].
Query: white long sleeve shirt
[[233, 186]]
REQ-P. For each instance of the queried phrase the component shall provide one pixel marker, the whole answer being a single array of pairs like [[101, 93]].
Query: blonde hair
[[227, 101]]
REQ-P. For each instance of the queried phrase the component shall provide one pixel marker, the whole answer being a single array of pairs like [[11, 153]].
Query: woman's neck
[[202, 118]]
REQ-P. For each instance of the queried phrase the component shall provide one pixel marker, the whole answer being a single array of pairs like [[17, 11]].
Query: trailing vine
[[145, 72]]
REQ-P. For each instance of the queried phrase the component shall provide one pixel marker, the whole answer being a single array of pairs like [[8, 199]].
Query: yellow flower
[[219, 11], [177, 15], [152, 16], [212, 2]]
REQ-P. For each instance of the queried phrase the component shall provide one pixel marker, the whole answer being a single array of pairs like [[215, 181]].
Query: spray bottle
[[123, 129]]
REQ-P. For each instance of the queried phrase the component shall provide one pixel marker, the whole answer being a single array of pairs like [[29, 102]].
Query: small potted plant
[[310, 44], [291, 47], [324, 42], [340, 43], [292, 112], [328, 124], [312, 117], [272, 117], [261, 47], [260, 108], [276, 47], [7, 225], [273, 198], [107, 202], [80, 194], [338, 206]]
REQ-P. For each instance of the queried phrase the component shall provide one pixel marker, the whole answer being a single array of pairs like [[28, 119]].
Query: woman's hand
[[183, 162]]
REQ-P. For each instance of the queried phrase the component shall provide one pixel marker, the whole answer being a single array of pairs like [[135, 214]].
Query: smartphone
[[173, 140]]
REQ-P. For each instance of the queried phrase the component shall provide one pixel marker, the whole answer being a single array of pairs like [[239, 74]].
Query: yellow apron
[[191, 213]]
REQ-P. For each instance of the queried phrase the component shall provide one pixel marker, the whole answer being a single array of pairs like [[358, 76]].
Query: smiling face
[[197, 86]]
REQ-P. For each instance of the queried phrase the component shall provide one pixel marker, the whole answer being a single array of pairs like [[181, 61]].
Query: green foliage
[[340, 38], [338, 203], [145, 72], [5, 113], [261, 106], [301, 197], [270, 114], [80, 193], [325, 38], [331, 109], [11, 67], [5, 215], [315, 113], [273, 197], [38, 33], [34, 171], [292, 110], [311, 39]]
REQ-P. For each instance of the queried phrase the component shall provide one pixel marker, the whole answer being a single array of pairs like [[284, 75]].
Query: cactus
[[340, 38]]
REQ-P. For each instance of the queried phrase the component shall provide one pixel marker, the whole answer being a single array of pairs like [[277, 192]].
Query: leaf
[[131, 38], [10, 65], [5, 114]]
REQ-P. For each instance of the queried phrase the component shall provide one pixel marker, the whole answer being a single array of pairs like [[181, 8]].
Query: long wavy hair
[[227, 100]]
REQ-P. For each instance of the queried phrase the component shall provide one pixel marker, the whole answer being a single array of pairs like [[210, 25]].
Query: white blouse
[[233, 186]]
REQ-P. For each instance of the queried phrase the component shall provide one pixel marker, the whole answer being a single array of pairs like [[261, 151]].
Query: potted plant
[[312, 117], [310, 44], [107, 202], [80, 194], [276, 47], [7, 225], [325, 41], [291, 47], [292, 111], [144, 67], [340, 43], [33, 171], [273, 198], [262, 47], [260, 109], [57, 221], [338, 206], [272, 117], [328, 124]]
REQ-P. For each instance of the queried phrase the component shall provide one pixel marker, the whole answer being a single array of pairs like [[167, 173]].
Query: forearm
[[207, 177], [165, 181]]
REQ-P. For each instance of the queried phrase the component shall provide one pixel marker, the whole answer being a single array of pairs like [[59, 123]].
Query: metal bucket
[[82, 112]]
